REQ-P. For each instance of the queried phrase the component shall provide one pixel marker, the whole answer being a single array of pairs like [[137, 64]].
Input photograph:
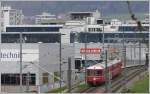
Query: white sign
[[14, 55], [90, 50]]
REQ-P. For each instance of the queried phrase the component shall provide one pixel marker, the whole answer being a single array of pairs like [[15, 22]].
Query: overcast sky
[[31, 8]]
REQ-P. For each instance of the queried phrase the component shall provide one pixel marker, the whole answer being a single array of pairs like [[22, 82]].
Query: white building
[[11, 17], [41, 60], [47, 18], [83, 15]]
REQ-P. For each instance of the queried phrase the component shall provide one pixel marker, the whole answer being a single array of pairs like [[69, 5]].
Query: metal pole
[[124, 55], [131, 54], [60, 61], [103, 37], [134, 53], [124, 60], [69, 75], [139, 48], [39, 89], [109, 82], [148, 49], [0, 42], [85, 55], [103, 41], [21, 62], [106, 73], [27, 81]]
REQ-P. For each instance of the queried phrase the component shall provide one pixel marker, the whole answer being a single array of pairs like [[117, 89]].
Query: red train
[[96, 74]]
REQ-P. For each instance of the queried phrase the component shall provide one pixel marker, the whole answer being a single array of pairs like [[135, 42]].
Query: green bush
[[141, 86], [57, 90]]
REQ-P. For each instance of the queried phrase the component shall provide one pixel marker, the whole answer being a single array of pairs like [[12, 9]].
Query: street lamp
[[0, 42]]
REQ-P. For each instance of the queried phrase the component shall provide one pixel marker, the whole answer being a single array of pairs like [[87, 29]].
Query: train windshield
[[94, 72], [92, 62], [98, 72], [90, 72]]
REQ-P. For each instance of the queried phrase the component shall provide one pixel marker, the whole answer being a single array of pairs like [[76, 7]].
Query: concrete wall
[[30, 53], [49, 60], [12, 65], [15, 89], [131, 50]]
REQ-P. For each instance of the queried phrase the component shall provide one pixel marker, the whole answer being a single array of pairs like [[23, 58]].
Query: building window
[[14, 79], [90, 72], [98, 72], [45, 78], [89, 29]]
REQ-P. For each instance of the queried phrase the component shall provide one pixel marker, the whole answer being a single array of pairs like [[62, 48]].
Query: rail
[[117, 81]]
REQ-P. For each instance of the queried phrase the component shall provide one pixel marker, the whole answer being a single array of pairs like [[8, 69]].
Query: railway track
[[100, 89], [117, 82], [91, 89]]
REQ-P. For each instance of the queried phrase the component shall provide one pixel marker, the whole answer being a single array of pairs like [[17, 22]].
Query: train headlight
[[94, 79]]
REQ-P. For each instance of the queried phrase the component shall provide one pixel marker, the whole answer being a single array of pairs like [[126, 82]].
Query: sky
[[32, 8]]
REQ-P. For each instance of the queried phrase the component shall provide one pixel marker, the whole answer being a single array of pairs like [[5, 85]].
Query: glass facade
[[110, 37], [30, 37], [132, 28], [14, 79], [33, 29]]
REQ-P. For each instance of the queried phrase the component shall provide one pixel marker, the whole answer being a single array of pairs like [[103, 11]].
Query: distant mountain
[[31, 8]]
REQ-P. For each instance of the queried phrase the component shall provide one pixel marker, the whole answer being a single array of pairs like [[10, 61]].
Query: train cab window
[[98, 72], [90, 72], [118, 64]]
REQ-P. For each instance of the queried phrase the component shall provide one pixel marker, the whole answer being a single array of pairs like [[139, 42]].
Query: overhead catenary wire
[[42, 68], [139, 25], [139, 28], [138, 22]]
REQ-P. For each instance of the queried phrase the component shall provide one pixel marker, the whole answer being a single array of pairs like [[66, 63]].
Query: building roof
[[80, 12], [31, 32], [35, 26], [102, 65]]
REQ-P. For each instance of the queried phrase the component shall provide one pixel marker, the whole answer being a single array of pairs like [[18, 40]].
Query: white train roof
[[102, 65]]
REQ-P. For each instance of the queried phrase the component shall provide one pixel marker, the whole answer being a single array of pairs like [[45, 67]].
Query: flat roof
[[80, 12], [34, 26], [130, 25], [102, 65], [31, 33], [116, 32]]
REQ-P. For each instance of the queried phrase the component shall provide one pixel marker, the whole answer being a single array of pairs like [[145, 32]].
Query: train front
[[94, 75]]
